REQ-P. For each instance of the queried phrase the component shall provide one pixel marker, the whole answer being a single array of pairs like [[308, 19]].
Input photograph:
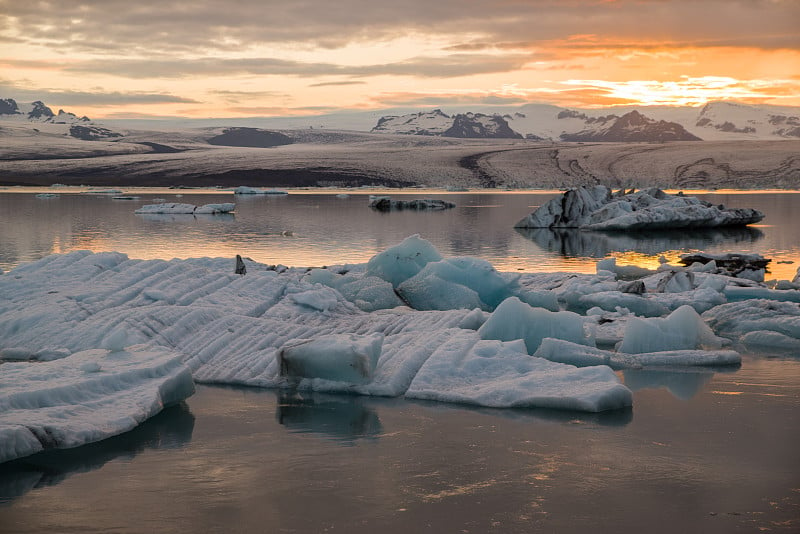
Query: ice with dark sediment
[[598, 208], [384, 203]]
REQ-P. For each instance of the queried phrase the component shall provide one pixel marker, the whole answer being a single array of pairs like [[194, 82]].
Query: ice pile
[[85, 397], [175, 208], [598, 208], [407, 323]]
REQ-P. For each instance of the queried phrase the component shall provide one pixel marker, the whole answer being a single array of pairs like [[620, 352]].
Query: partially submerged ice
[[598, 208], [85, 397]]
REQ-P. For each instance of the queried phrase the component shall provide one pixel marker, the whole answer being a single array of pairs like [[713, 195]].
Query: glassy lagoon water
[[702, 451]]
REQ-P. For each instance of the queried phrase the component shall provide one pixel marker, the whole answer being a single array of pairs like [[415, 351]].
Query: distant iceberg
[[383, 203], [598, 208], [245, 190], [175, 208]]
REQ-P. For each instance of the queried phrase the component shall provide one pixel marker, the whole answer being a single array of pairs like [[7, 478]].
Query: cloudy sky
[[210, 58]]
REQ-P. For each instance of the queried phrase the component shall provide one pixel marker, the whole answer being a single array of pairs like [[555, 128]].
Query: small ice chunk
[[347, 358]]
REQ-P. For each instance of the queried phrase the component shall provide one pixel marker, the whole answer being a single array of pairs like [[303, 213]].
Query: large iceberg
[[598, 208], [85, 397]]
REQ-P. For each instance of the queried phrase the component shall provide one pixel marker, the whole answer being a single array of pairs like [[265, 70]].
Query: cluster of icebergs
[[119, 338]]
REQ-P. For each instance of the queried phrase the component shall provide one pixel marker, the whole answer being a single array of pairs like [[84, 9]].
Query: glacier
[[502, 340]]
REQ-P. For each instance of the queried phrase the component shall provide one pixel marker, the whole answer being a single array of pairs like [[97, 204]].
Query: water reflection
[[611, 418], [171, 429], [681, 383], [570, 242], [341, 417]]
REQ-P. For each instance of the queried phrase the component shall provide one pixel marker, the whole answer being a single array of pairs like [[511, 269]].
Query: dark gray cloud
[[180, 26], [56, 97], [431, 67]]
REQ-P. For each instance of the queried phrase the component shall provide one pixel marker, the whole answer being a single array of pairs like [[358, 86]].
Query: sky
[[242, 58]]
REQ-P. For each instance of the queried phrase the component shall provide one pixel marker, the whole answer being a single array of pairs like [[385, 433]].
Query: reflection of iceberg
[[186, 217], [682, 383], [572, 242], [170, 429], [336, 416]]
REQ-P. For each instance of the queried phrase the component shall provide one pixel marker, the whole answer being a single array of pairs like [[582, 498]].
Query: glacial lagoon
[[710, 450]]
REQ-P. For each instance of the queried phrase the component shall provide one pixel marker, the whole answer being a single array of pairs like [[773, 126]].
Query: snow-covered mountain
[[714, 121], [752, 121], [37, 111], [62, 123], [631, 127], [463, 125]]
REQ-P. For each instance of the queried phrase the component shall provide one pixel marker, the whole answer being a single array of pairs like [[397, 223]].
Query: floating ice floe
[[598, 208], [245, 190], [176, 208], [758, 323], [382, 203], [85, 397]]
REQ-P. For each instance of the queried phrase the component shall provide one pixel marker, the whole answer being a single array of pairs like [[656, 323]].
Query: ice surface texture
[[597, 208], [345, 329], [85, 397]]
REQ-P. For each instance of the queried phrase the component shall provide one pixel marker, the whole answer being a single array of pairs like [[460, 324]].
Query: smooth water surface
[[699, 452], [306, 229]]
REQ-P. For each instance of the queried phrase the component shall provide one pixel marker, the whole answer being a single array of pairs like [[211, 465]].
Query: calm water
[[326, 230], [701, 451]]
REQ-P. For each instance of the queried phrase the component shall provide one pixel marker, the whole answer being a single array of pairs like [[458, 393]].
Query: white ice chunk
[[682, 329], [338, 357], [500, 374], [758, 316], [513, 319], [85, 397]]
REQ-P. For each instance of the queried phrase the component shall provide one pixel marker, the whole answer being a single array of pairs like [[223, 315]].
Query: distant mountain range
[[716, 121]]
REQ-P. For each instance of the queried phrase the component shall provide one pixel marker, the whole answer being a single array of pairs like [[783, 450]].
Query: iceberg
[[759, 323], [85, 397], [598, 208]]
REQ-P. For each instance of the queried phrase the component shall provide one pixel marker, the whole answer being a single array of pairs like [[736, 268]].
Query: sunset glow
[[214, 59]]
